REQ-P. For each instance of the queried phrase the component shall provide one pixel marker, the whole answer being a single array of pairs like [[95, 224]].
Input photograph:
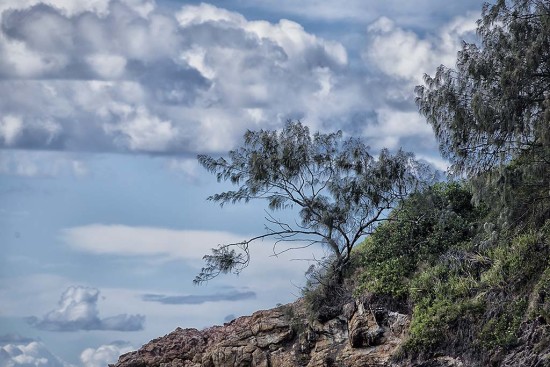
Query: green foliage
[[491, 114], [340, 189], [495, 105], [501, 330], [443, 301], [417, 233], [517, 263], [486, 297]]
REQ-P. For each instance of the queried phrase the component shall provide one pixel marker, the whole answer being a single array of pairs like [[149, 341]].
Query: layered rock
[[280, 337]]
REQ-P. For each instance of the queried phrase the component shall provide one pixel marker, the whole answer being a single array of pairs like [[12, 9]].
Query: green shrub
[[443, 300], [541, 297], [416, 234], [518, 262], [501, 330]]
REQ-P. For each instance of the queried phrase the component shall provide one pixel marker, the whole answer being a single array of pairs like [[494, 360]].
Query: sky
[[105, 105]]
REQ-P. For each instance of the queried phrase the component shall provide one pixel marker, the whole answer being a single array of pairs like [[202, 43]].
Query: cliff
[[360, 336]]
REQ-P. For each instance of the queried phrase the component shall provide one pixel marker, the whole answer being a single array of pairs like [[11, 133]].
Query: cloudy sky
[[105, 105]]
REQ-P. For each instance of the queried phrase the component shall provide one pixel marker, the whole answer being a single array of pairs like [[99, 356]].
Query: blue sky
[[105, 105]]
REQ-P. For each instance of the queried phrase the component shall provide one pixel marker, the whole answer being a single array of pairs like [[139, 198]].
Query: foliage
[[541, 299], [341, 190], [417, 233], [501, 329], [516, 263], [495, 105], [485, 299], [491, 114]]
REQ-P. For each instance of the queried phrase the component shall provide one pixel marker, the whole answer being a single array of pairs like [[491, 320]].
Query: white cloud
[[31, 354], [391, 126], [401, 53], [10, 128], [41, 164], [104, 354], [140, 131], [107, 66], [77, 310], [197, 14], [145, 241], [127, 76]]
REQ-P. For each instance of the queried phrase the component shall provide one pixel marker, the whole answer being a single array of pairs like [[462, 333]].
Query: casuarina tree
[[491, 113], [341, 191]]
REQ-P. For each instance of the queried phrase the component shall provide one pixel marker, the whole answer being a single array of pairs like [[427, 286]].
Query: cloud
[[418, 14], [104, 354], [42, 164], [392, 126], [130, 76], [77, 310], [145, 241], [404, 54], [26, 353], [127, 76], [198, 299]]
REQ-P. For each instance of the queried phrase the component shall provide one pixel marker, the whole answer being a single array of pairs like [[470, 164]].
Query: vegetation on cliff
[[470, 260]]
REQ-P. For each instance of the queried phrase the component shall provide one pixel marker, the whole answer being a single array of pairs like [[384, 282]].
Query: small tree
[[340, 189]]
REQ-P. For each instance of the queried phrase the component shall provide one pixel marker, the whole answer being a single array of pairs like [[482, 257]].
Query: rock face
[[360, 336], [280, 337]]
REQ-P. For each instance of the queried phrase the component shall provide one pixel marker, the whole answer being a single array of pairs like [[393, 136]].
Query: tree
[[494, 106], [340, 189], [491, 113]]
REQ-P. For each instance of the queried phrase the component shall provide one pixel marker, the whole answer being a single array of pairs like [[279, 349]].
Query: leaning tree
[[491, 113], [340, 189]]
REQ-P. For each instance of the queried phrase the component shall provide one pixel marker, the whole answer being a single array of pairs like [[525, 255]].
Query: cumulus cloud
[[404, 54], [22, 352], [195, 299], [77, 310], [127, 76], [104, 354], [393, 125]]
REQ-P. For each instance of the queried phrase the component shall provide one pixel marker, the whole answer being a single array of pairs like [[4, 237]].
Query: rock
[[360, 336], [275, 338]]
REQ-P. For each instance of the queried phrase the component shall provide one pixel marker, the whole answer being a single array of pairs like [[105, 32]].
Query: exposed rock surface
[[281, 337]]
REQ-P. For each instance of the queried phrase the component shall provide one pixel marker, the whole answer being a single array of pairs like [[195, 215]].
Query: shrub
[[416, 234]]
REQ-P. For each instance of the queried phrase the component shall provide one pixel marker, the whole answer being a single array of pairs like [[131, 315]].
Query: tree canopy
[[494, 106], [340, 189]]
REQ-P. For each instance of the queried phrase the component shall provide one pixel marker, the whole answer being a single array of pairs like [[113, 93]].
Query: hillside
[[440, 286]]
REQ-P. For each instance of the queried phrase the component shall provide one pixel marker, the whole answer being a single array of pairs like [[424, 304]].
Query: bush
[[416, 234], [325, 291]]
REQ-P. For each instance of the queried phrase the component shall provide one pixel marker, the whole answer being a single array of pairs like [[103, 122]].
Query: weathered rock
[[280, 338], [360, 336]]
